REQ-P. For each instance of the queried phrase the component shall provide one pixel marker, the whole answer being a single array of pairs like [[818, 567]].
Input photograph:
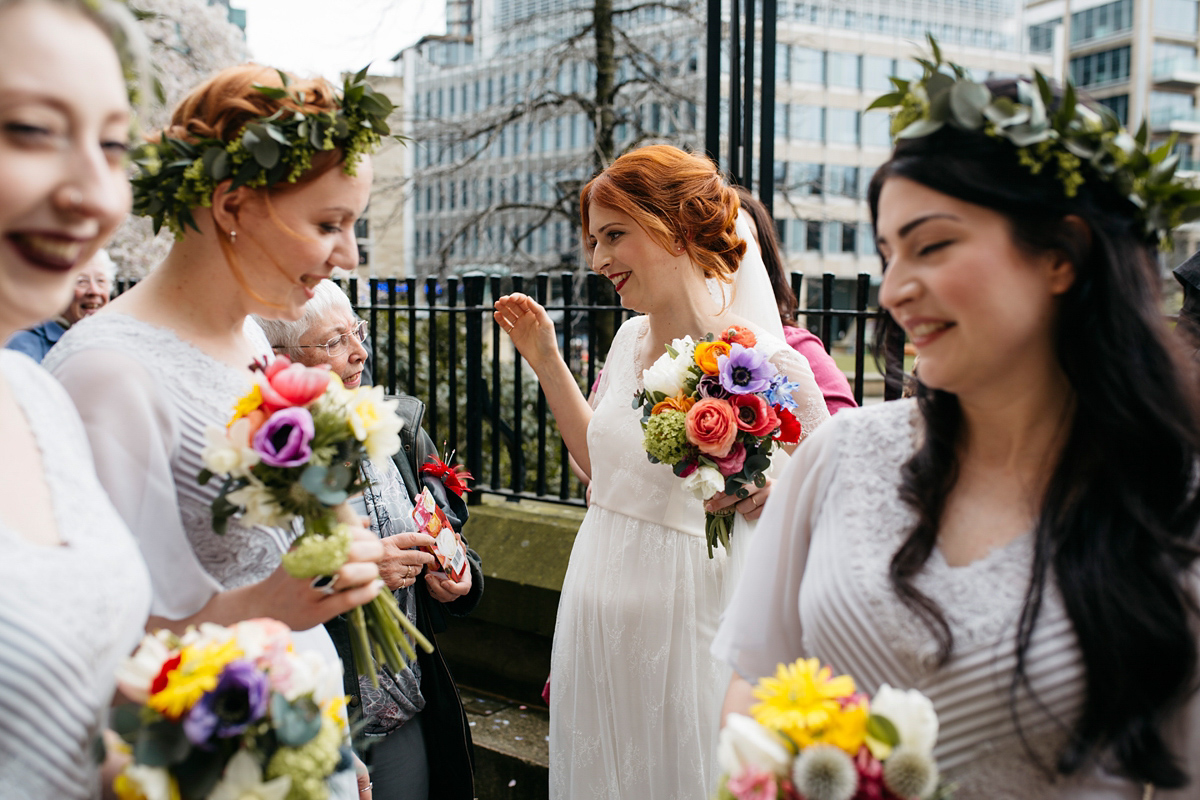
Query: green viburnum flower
[[316, 555], [309, 764], [666, 437]]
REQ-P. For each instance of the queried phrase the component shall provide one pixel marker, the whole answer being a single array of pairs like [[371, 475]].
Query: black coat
[[447, 734]]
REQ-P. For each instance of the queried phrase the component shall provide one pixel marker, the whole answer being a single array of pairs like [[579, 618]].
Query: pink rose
[[732, 464], [752, 783], [284, 384], [754, 414], [712, 426]]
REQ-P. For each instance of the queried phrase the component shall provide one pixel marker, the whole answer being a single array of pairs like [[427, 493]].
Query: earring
[[232, 236]]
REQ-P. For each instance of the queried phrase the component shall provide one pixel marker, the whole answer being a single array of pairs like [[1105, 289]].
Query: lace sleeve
[[761, 626], [811, 410], [133, 435]]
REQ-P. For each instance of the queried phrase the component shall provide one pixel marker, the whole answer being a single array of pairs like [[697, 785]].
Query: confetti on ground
[[519, 738], [504, 721], [472, 724], [522, 707], [512, 783]]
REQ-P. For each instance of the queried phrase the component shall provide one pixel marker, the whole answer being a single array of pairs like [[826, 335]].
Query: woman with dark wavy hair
[[1019, 541]]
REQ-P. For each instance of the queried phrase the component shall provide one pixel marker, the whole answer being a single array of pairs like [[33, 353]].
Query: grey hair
[[103, 259], [285, 335]]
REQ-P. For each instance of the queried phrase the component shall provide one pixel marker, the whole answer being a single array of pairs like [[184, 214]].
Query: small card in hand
[[447, 550]]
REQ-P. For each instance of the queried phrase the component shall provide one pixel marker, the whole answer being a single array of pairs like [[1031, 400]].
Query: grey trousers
[[400, 765]]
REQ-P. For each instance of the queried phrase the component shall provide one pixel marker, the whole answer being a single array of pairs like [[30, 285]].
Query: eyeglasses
[[337, 345]]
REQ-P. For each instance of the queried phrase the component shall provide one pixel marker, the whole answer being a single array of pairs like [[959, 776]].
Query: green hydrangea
[[666, 437], [309, 764], [316, 555]]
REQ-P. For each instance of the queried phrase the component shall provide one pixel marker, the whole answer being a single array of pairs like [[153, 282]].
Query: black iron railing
[[438, 342]]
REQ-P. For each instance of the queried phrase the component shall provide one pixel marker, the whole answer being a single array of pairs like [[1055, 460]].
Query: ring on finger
[[325, 584]]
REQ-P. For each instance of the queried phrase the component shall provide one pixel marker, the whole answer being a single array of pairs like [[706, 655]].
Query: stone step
[[512, 748]]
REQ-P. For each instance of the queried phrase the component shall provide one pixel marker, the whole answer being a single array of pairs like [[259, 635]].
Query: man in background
[[92, 291]]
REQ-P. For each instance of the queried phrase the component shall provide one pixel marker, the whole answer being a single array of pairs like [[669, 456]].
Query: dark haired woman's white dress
[[69, 614], [635, 695], [834, 520]]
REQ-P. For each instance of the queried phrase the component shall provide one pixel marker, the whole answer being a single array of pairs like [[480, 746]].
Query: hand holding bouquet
[[813, 737], [229, 713], [714, 410], [292, 451]]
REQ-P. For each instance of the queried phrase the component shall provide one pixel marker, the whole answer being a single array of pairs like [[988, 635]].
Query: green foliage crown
[[1062, 139], [175, 176]]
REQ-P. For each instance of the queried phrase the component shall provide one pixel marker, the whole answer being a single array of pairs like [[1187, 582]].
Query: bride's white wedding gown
[[635, 695]]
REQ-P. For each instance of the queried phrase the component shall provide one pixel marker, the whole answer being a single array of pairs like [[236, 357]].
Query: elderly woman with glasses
[[414, 719]]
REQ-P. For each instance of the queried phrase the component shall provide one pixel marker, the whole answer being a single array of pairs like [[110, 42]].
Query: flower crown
[[173, 176], [1063, 139]]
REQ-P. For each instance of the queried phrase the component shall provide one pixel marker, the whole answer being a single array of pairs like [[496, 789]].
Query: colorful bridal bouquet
[[813, 737], [713, 411], [292, 452], [230, 713]]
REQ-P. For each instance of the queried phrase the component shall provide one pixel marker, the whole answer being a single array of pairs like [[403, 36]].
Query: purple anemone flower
[[239, 700], [283, 440], [745, 371]]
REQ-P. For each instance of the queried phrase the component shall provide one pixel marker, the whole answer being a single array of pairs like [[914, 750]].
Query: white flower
[[704, 483], [243, 781], [913, 715], [258, 636], [374, 422], [744, 743], [685, 347], [153, 783], [138, 672], [260, 507], [205, 635], [228, 452], [667, 374]]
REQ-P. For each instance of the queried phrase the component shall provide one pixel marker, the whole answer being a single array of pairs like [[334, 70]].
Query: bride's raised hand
[[529, 326]]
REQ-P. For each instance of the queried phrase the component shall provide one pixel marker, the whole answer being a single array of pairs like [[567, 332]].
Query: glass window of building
[[807, 123], [849, 237], [812, 235], [842, 180], [808, 65], [842, 126], [1041, 36], [1105, 20], [783, 63], [806, 179], [1169, 56], [843, 70], [877, 129], [1167, 106], [1175, 16], [1119, 105], [1106, 66], [876, 71]]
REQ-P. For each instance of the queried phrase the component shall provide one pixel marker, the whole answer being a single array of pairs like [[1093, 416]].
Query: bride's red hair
[[674, 196]]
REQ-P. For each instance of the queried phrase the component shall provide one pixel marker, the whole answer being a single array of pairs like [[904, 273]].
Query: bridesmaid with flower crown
[[170, 358]]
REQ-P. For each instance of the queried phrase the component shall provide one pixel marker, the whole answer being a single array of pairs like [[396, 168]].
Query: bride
[[635, 695]]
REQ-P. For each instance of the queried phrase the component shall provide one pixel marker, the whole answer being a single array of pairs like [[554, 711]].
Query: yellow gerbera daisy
[[197, 673], [247, 404], [806, 703]]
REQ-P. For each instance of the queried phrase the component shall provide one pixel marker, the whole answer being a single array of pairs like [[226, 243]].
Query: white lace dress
[[834, 522], [146, 398], [634, 693], [68, 614]]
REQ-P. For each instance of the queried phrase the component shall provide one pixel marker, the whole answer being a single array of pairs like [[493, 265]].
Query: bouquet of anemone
[[713, 411], [227, 713], [290, 457], [812, 736]]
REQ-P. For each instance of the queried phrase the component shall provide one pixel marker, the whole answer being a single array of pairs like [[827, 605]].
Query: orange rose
[[736, 334], [706, 355], [711, 425], [679, 402]]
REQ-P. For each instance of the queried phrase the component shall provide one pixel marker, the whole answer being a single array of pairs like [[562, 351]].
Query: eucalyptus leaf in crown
[[1077, 140], [174, 176]]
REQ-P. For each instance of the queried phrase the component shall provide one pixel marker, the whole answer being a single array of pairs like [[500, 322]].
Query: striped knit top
[[68, 614], [824, 545]]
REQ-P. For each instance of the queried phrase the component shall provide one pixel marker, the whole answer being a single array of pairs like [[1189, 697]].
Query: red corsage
[[453, 478]]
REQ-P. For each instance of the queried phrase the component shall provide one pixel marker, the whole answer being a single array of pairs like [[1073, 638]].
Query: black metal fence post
[[473, 286]]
